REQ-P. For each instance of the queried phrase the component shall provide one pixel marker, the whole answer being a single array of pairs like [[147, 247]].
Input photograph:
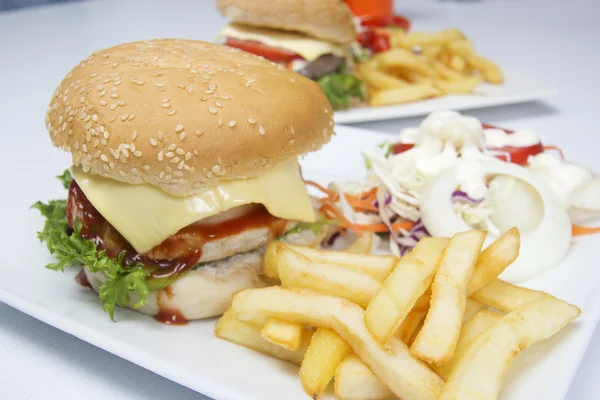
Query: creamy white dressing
[[496, 138]]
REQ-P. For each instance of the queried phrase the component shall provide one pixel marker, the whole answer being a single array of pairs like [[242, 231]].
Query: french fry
[[423, 302], [437, 339], [355, 381], [282, 333], [495, 259], [472, 308], [462, 47], [410, 326], [296, 270], [247, 335], [412, 39], [432, 50], [403, 95], [378, 266], [446, 73], [400, 291], [464, 85], [458, 63], [395, 59], [406, 377], [471, 329], [506, 297], [490, 71], [379, 79], [480, 371], [325, 352]]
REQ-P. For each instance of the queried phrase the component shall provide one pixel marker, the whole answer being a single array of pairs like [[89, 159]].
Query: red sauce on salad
[[82, 279]]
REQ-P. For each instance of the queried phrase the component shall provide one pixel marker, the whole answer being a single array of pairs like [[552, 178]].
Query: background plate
[[517, 88], [191, 355]]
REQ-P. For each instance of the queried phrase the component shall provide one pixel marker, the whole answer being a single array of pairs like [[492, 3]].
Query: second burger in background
[[313, 38]]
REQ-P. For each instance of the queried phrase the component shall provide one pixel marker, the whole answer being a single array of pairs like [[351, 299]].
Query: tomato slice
[[365, 38], [274, 54], [380, 43], [386, 21], [518, 155], [398, 148]]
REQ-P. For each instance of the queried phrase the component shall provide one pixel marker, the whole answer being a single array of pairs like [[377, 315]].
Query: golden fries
[[483, 366], [282, 333], [325, 352], [473, 328], [403, 287], [404, 95], [494, 260], [421, 65], [355, 381], [436, 341], [295, 270], [435, 299], [406, 376], [504, 296], [247, 335], [378, 266]]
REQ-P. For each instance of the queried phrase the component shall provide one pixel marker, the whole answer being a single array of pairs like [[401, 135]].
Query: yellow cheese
[[146, 215], [310, 49]]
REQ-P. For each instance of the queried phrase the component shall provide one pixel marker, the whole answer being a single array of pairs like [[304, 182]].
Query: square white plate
[[192, 355], [517, 88]]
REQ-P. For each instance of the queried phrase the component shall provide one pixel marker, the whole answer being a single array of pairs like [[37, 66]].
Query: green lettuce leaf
[[339, 87], [316, 227], [73, 251]]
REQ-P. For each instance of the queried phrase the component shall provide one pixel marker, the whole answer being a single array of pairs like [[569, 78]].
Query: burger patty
[[238, 230]]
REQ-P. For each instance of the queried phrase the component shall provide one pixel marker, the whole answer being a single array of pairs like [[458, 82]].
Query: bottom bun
[[206, 291]]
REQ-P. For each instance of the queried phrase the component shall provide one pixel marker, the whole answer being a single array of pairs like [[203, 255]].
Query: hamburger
[[185, 164], [315, 38]]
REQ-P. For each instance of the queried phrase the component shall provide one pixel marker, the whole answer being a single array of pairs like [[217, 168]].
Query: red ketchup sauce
[[106, 237]]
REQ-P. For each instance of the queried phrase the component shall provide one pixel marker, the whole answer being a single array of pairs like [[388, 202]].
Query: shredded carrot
[[383, 228], [330, 193], [330, 208], [562, 155], [579, 230]]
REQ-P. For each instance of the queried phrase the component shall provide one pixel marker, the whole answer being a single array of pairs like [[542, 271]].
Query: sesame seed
[[232, 124], [179, 173], [82, 99], [198, 133], [114, 106], [171, 147], [226, 97], [251, 120], [122, 173], [191, 90], [219, 104], [204, 98], [180, 165], [106, 135], [160, 135], [178, 128], [195, 152], [212, 110], [175, 160], [124, 117], [134, 135], [208, 91], [160, 156], [209, 174], [169, 154], [220, 123], [95, 117], [87, 118], [111, 165], [123, 159], [216, 168], [188, 156], [165, 105], [140, 83], [152, 141], [182, 136], [261, 130], [171, 113], [114, 95], [166, 100], [180, 151], [137, 153], [326, 111], [159, 85], [181, 86], [330, 123], [104, 158], [105, 166], [146, 167]]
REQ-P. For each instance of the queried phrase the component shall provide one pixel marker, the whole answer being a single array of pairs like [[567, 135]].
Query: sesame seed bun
[[182, 114], [329, 20]]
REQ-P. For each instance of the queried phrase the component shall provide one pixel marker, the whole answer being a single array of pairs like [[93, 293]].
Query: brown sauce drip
[[186, 244], [82, 279]]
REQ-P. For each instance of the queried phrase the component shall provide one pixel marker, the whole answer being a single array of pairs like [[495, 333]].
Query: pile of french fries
[[421, 65], [434, 324]]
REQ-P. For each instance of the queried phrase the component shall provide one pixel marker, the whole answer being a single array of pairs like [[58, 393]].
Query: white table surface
[[556, 41]]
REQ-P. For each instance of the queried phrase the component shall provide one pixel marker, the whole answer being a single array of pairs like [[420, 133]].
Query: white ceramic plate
[[517, 88], [192, 355]]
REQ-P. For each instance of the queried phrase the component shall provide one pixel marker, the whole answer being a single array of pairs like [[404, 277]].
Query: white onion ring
[[542, 248]]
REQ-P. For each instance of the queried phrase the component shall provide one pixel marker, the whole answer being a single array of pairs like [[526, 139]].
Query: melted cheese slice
[[310, 49], [146, 215]]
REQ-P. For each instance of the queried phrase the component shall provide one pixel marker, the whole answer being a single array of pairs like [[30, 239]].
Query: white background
[[557, 42]]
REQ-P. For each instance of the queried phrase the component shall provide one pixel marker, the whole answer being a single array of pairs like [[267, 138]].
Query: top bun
[[182, 114], [329, 20]]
